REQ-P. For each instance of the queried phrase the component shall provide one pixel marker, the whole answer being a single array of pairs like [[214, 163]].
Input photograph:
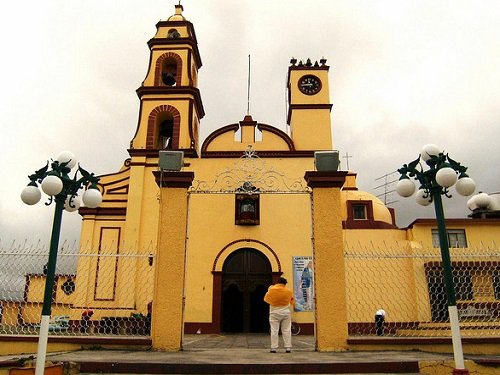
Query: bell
[[168, 79]]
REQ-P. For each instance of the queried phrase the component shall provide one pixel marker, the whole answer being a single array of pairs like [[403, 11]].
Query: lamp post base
[[42, 345], [460, 371]]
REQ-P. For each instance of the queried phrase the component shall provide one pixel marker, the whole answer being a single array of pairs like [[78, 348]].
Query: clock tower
[[309, 105]]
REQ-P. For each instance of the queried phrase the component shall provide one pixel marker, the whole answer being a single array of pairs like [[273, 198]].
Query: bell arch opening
[[169, 71]]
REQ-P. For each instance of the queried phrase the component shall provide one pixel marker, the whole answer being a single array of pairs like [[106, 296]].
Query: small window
[[359, 211], [456, 238]]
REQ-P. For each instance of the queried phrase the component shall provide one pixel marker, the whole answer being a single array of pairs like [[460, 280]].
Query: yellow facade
[[137, 207], [201, 254]]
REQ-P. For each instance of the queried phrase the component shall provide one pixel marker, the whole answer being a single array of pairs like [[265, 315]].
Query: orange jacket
[[279, 295]]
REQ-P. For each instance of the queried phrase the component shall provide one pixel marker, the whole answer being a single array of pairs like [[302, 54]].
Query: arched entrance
[[246, 275]]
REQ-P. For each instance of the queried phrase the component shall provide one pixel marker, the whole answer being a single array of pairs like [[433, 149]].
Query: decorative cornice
[[101, 211], [179, 41], [309, 68], [367, 224], [174, 179], [169, 90], [292, 107], [455, 221], [261, 153], [153, 153], [316, 179]]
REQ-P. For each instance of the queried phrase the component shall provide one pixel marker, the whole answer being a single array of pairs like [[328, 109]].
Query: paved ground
[[231, 354], [234, 354], [248, 341]]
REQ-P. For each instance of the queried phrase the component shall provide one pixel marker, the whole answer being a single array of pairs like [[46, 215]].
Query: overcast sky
[[403, 74]]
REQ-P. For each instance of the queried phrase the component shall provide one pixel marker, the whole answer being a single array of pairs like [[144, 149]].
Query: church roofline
[[248, 121], [453, 221]]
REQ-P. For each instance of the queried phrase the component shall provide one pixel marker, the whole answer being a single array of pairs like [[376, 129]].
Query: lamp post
[[442, 173], [63, 190]]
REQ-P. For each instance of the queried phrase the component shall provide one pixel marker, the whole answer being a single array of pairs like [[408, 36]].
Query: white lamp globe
[[446, 177], [421, 200], [471, 203], [465, 186], [428, 151], [482, 200], [92, 198], [405, 187], [31, 195], [66, 156], [52, 185], [72, 204]]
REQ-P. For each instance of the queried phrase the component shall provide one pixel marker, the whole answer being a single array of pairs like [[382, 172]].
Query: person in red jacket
[[281, 301]]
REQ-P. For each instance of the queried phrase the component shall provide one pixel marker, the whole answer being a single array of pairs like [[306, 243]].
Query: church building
[[216, 221]]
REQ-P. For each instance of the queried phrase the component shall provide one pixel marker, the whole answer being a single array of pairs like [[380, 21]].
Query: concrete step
[[396, 367]]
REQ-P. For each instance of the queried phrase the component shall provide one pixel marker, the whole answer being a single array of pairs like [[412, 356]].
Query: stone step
[[396, 367]]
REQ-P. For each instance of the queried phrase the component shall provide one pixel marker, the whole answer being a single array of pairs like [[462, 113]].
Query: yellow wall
[[283, 227]]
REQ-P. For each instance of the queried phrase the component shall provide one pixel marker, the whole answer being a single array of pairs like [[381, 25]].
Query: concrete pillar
[[329, 265], [168, 295]]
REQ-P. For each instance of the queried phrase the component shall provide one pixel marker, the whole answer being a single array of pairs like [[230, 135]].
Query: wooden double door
[[246, 276]]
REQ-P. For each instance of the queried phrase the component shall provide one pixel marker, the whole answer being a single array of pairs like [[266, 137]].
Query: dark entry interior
[[246, 275]]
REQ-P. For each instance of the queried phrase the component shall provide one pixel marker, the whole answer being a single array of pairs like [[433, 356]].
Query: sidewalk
[[249, 354]]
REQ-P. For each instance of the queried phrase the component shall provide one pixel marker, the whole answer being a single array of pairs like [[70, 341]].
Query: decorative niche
[[247, 209]]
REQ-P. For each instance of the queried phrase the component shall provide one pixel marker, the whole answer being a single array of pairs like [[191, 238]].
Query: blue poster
[[303, 283]]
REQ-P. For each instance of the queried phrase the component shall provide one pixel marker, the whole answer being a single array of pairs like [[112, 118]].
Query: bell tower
[[170, 102], [309, 105]]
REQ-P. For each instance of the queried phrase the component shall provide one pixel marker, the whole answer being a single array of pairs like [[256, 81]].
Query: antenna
[[388, 185], [248, 87]]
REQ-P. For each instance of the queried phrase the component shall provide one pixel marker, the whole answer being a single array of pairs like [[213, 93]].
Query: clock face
[[309, 84]]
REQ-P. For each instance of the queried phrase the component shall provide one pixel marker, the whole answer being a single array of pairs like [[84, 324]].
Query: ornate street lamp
[[443, 173], [63, 190]]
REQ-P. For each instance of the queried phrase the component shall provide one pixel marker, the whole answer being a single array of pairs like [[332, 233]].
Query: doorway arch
[[246, 276]]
